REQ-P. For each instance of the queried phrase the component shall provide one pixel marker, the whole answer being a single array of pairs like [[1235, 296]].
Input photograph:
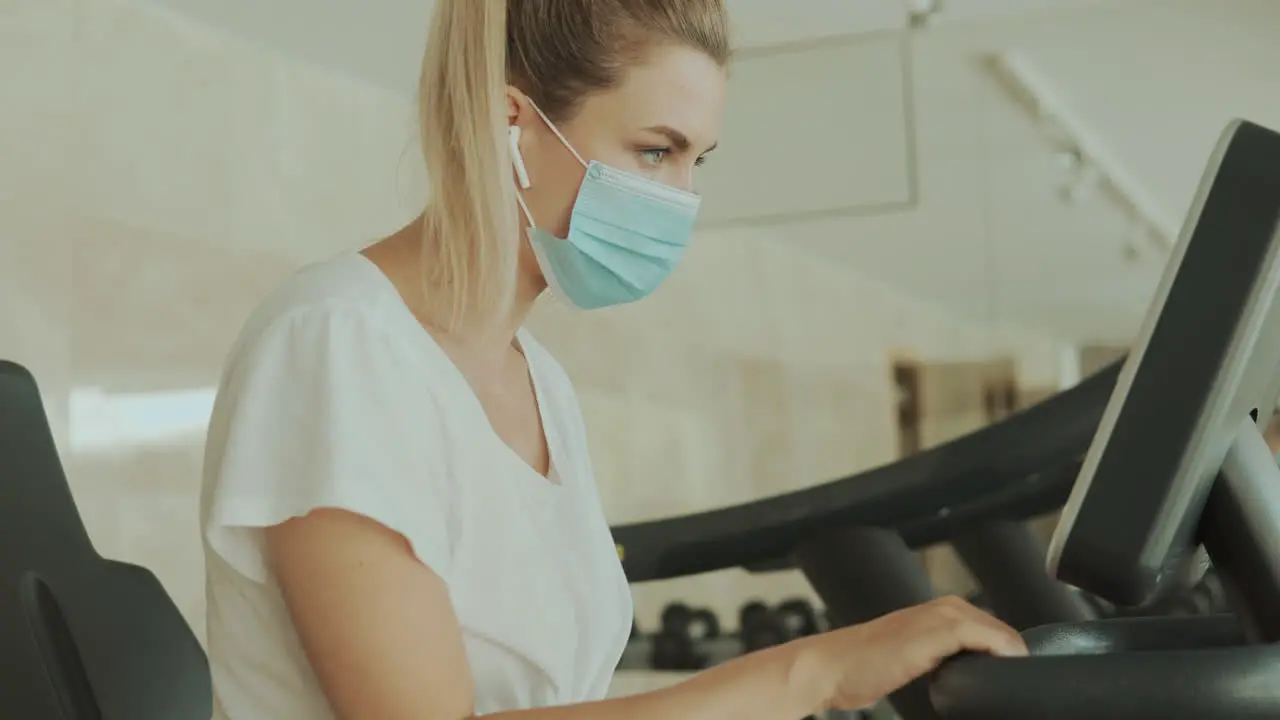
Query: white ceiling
[[1151, 82], [381, 41]]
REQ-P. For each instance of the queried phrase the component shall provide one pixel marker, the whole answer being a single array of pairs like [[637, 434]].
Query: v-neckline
[[554, 478]]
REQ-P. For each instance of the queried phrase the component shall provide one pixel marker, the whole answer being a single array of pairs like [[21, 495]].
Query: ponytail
[[470, 231]]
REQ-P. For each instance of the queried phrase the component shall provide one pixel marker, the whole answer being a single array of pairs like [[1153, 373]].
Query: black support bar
[[1241, 530], [1008, 561], [862, 573]]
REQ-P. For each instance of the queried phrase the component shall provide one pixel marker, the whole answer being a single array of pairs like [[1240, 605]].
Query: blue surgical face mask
[[626, 234]]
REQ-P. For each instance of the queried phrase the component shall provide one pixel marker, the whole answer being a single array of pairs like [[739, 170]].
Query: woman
[[399, 514]]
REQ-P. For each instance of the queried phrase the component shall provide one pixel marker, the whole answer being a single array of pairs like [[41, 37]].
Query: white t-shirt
[[334, 396]]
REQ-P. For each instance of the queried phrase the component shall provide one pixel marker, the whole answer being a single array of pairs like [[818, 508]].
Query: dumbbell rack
[[639, 652]]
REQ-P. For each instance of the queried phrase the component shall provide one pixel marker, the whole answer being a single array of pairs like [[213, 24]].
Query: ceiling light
[[921, 12]]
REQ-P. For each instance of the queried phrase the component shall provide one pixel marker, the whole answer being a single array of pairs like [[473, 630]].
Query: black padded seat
[[81, 637]]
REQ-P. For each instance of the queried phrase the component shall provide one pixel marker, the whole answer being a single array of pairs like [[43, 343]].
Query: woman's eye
[[654, 156]]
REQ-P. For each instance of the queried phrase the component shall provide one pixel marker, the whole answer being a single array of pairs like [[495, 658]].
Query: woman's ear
[[513, 99]]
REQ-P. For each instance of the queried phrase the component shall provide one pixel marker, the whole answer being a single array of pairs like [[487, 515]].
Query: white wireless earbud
[[513, 141]]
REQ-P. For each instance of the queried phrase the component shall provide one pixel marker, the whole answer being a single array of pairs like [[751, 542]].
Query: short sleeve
[[325, 408]]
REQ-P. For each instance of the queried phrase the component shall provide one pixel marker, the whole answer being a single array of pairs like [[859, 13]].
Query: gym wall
[[159, 178]]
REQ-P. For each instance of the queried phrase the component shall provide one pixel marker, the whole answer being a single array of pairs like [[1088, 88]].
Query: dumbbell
[[798, 618], [673, 652], [675, 646], [699, 624], [760, 627]]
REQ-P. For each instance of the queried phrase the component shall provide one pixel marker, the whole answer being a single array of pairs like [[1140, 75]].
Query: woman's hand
[[869, 661]]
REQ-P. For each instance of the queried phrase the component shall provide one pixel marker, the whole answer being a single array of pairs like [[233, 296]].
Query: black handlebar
[[1009, 470], [1162, 667]]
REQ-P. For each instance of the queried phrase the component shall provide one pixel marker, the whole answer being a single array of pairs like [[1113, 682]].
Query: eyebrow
[[677, 138]]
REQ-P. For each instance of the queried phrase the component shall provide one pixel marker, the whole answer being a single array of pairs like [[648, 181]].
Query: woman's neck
[[399, 256]]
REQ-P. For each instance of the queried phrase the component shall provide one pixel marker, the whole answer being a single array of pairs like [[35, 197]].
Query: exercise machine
[[1175, 473], [1168, 483], [1178, 475]]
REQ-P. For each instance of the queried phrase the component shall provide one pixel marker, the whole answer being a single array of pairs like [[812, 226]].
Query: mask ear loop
[[527, 215], [517, 159], [556, 130]]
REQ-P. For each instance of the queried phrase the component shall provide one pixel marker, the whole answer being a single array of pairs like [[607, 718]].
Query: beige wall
[[157, 178]]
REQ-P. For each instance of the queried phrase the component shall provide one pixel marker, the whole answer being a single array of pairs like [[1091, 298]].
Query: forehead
[[675, 86]]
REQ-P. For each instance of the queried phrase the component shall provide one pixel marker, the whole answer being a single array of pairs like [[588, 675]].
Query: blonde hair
[[555, 51]]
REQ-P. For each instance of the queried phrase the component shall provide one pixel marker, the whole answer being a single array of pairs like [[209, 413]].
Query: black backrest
[[81, 637]]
